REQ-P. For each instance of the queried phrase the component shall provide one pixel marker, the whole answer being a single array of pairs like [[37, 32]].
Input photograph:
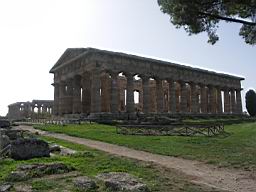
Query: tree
[[250, 101], [197, 16]]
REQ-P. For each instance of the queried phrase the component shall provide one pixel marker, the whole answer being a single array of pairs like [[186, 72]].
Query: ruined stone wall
[[25, 110]]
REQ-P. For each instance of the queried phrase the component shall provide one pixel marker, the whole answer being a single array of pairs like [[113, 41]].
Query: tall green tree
[[250, 101], [197, 16]]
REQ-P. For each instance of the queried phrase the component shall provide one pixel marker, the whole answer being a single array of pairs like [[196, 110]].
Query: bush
[[250, 100]]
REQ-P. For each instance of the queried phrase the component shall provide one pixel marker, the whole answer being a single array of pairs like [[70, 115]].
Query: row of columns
[[28, 109], [41, 109], [202, 98]]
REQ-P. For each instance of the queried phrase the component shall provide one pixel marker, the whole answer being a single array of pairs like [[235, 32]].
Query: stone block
[[122, 182], [84, 184], [5, 187], [23, 149], [4, 141]]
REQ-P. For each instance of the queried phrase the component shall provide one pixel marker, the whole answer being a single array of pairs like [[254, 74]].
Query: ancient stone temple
[[93, 81], [35, 109]]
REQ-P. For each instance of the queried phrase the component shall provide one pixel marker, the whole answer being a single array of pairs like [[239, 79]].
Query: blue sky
[[34, 34]]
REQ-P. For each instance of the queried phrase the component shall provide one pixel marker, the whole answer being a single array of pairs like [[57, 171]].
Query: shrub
[[250, 100]]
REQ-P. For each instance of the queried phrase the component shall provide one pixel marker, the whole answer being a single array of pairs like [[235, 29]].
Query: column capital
[[191, 83], [76, 81], [113, 73], [182, 83], [201, 85], [158, 81], [210, 86], [128, 74], [77, 78], [218, 87], [144, 77], [85, 74], [62, 83], [170, 80], [70, 81], [129, 78], [226, 88]]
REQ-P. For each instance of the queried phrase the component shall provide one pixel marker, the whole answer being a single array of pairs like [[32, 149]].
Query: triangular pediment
[[68, 55]]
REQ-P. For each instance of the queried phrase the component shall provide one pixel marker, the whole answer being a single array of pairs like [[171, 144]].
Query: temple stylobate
[[93, 81]]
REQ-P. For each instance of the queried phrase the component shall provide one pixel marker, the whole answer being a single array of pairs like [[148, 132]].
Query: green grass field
[[236, 148], [90, 162]]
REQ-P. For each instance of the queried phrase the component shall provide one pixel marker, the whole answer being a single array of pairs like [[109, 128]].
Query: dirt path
[[223, 179]]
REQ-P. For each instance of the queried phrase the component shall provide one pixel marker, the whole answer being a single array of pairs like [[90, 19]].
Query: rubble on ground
[[28, 171], [115, 181], [84, 183]]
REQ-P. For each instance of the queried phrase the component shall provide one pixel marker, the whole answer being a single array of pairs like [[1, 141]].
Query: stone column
[[56, 99], [39, 109], [129, 94], [172, 96], [212, 100], [203, 99], [105, 92], [239, 109], [146, 94], [69, 97], [198, 100], [177, 95], [95, 92], [62, 92], [233, 101], [183, 97], [207, 100], [114, 101], [226, 101], [194, 104], [44, 108], [86, 93], [219, 101], [159, 96], [77, 95]]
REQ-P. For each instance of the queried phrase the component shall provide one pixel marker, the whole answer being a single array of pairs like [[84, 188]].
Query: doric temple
[[35, 109], [93, 81]]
